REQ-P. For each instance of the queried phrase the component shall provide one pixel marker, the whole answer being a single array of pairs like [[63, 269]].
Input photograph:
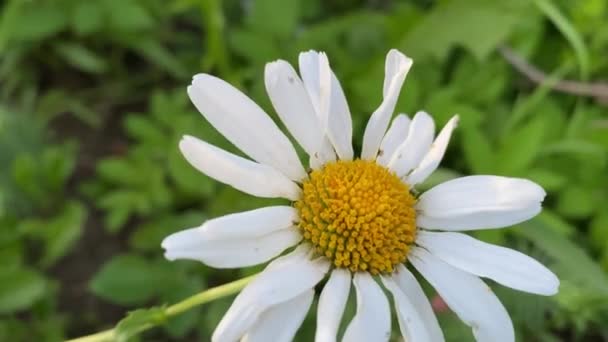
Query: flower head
[[352, 220]]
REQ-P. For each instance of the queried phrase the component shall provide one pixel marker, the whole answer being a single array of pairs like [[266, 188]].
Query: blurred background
[[93, 103]]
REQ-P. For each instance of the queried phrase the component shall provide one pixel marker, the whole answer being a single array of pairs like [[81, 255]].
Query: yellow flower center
[[359, 215]]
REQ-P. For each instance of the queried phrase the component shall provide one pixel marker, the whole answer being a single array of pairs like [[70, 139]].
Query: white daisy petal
[[503, 265], [310, 70], [417, 144], [434, 155], [303, 250], [292, 103], [281, 322], [325, 155], [468, 296], [481, 220], [324, 91], [411, 324], [372, 322], [339, 121], [250, 224], [194, 244], [396, 63], [396, 68], [247, 224], [395, 135], [245, 124], [413, 291], [478, 202], [284, 279], [328, 100], [331, 305], [245, 175]]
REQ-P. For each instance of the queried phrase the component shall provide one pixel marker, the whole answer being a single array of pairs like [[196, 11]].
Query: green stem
[[180, 307], [105, 335]]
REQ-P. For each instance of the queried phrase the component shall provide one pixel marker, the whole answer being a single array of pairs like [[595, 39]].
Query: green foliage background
[[93, 103]]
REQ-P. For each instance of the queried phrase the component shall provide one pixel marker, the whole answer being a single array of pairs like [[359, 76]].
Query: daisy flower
[[351, 220]]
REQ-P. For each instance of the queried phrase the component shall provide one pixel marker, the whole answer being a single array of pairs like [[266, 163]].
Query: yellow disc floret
[[359, 215]]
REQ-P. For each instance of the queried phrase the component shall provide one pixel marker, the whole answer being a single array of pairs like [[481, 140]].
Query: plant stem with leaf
[[175, 309]]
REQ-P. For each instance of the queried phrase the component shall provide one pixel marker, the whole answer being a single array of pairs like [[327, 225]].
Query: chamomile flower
[[351, 220]]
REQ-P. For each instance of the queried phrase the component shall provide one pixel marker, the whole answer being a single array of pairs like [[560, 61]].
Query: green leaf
[[479, 83], [552, 220], [128, 16], [11, 254], [577, 148], [148, 236], [158, 54], [127, 280], [187, 178], [576, 202], [537, 101], [599, 231], [81, 57], [569, 31], [116, 217], [62, 232], [253, 46], [165, 107], [87, 17], [25, 175], [138, 321], [274, 17], [364, 31], [57, 166], [127, 199], [8, 17], [477, 149], [20, 289], [527, 310], [39, 21], [443, 105], [120, 171], [146, 131], [521, 147], [550, 180], [477, 25], [571, 262]]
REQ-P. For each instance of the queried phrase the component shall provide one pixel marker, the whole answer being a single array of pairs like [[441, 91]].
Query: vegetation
[[93, 103]]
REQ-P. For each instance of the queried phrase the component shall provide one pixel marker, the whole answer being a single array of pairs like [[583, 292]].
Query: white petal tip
[[171, 249], [164, 244], [543, 193], [397, 56], [186, 139], [182, 254], [188, 145], [199, 78], [182, 239], [537, 193], [170, 256], [309, 52], [168, 242], [273, 70], [423, 113], [551, 288]]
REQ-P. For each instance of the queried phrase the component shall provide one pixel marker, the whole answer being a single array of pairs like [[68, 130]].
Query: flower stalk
[[200, 298]]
